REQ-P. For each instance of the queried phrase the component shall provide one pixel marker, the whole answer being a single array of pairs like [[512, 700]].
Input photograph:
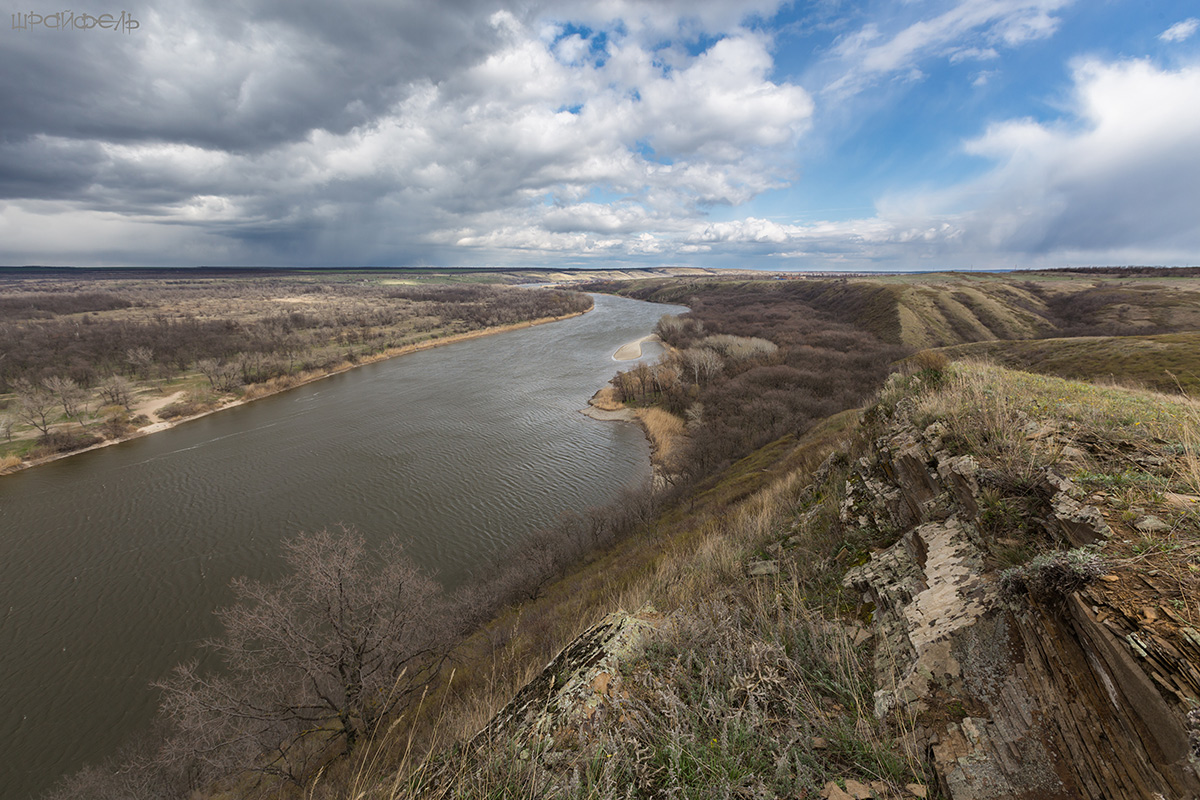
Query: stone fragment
[[859, 791], [758, 569], [820, 743], [1151, 524], [917, 790], [1080, 524], [859, 634], [1073, 454], [1034, 432], [960, 474]]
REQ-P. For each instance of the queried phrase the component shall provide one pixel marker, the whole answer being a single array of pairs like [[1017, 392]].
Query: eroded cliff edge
[[1062, 692], [1018, 559]]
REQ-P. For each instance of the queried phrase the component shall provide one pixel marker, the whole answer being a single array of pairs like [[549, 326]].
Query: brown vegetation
[[752, 362], [70, 346]]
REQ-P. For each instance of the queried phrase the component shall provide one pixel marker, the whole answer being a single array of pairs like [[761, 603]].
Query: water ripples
[[112, 562]]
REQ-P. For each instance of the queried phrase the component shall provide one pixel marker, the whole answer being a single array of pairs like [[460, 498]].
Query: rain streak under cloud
[[822, 135]]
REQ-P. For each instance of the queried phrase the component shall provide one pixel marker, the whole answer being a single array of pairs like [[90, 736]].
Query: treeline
[[752, 362], [1152, 272], [475, 305], [45, 305], [39, 341]]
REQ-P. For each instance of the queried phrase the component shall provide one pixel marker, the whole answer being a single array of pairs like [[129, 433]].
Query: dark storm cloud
[[240, 78]]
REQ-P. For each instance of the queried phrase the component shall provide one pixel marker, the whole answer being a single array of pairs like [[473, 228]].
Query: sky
[[821, 135]]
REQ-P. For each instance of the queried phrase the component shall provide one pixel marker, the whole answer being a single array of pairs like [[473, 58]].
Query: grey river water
[[111, 562]]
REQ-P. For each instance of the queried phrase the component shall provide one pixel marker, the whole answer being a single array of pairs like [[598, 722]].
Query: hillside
[[964, 580], [939, 606], [1167, 363]]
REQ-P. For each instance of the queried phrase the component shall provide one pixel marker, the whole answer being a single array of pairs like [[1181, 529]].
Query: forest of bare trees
[[749, 364], [75, 354], [165, 331]]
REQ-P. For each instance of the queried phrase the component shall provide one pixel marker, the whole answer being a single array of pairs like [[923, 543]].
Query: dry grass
[[665, 431], [1166, 363], [1188, 470], [749, 695], [700, 552], [9, 462], [606, 400], [988, 403]]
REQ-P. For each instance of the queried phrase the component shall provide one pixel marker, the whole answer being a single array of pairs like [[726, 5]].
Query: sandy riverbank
[[267, 390], [632, 350]]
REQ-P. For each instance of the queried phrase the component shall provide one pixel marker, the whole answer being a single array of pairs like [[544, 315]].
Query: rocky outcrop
[[1067, 697], [577, 689]]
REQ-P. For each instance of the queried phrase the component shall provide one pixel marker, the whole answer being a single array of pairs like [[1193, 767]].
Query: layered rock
[[578, 688], [1057, 697]]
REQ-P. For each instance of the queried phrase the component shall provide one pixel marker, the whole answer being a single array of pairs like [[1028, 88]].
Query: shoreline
[[387, 355], [604, 406]]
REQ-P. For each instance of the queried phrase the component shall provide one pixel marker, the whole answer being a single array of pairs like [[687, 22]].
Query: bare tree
[[665, 374], [70, 396], [641, 373], [703, 363], [35, 406], [6, 426], [117, 390], [312, 662], [221, 376], [141, 359]]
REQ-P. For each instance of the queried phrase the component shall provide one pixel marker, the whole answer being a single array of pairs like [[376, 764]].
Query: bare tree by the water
[[313, 662], [70, 396]]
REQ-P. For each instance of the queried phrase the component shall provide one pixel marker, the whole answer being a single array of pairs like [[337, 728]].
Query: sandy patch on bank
[[632, 350], [152, 406], [605, 407]]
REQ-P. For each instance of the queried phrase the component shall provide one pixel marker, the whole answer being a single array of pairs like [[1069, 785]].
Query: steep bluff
[[1083, 693], [988, 588]]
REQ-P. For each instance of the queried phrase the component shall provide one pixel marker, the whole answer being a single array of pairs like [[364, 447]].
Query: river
[[112, 561]]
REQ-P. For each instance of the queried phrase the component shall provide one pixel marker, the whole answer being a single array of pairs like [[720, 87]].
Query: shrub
[[1052, 575], [64, 442], [183, 408], [930, 365]]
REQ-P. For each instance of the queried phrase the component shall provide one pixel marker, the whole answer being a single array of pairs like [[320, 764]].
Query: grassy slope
[[758, 688], [922, 311], [1166, 363]]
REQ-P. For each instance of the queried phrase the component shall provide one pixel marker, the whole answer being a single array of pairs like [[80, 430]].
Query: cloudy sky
[[882, 134]]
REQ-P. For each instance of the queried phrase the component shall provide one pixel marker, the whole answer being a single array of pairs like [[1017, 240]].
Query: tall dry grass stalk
[[665, 430]]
